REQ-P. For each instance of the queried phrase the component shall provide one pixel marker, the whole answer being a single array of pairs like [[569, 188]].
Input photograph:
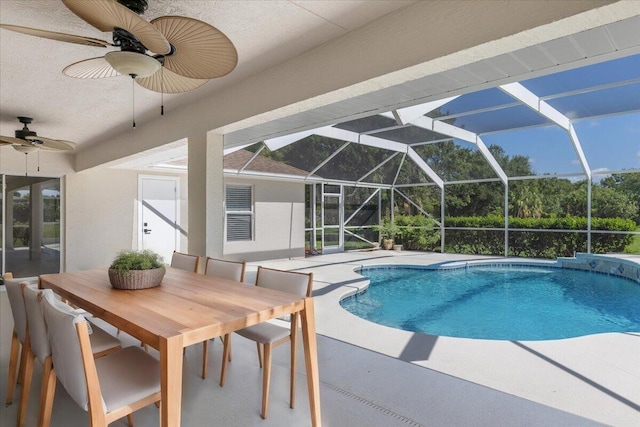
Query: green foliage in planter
[[137, 260], [387, 229]]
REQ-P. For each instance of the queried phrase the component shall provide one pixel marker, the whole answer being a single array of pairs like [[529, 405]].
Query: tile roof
[[238, 159]]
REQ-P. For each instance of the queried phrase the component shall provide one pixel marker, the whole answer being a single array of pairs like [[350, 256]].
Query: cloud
[[575, 162], [572, 114], [575, 179], [599, 174]]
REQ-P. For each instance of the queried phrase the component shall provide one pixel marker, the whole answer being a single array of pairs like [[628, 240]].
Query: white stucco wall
[[279, 222], [101, 215]]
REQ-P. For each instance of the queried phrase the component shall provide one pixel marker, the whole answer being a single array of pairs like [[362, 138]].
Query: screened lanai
[[543, 167]]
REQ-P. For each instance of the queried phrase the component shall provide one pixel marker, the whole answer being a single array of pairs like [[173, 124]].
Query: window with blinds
[[239, 212]]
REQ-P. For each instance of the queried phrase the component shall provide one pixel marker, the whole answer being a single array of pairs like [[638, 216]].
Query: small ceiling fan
[[27, 141], [170, 54]]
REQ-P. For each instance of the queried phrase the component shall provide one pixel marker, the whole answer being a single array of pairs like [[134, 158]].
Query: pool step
[[617, 265]]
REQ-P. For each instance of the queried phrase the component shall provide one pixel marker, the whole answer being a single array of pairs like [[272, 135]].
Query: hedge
[[418, 232], [536, 244]]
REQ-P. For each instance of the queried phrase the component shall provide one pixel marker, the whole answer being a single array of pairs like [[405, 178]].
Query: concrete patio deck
[[372, 375], [596, 377]]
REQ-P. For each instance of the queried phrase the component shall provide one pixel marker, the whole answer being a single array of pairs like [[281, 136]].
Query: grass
[[50, 230], [634, 246]]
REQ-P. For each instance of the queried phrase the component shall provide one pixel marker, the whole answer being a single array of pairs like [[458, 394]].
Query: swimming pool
[[498, 302]]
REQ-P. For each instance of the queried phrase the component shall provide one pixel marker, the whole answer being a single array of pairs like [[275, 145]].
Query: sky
[[606, 121], [609, 143]]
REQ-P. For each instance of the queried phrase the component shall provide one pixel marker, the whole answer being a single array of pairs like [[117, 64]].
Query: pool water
[[499, 303]]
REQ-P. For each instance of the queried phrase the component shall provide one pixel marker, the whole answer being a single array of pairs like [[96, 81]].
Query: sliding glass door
[[31, 225]]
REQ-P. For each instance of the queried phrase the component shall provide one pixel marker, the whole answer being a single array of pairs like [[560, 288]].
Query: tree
[[574, 201], [629, 184], [607, 202], [526, 202], [552, 191]]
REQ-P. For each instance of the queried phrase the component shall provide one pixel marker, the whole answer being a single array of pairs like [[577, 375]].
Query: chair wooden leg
[[266, 379], [47, 392], [23, 359], [259, 347], [13, 363], [26, 385], [294, 335], [205, 357], [225, 358]]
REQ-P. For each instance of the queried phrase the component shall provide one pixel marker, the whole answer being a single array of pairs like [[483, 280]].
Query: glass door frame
[[326, 248]]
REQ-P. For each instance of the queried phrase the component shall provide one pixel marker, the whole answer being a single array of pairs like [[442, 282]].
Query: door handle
[[146, 230]]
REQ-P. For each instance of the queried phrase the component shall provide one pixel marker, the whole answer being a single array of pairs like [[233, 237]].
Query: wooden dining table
[[187, 308]]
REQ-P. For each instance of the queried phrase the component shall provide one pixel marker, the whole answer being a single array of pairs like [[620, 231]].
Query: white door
[[159, 214]]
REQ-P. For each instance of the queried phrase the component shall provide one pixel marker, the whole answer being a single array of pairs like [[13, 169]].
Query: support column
[[8, 220], [506, 218], [215, 195], [442, 213], [589, 184], [206, 194], [36, 222], [196, 193]]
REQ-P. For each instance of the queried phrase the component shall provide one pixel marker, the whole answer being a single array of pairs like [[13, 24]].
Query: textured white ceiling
[[265, 33]]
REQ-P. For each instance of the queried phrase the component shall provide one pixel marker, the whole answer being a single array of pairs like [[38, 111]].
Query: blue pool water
[[500, 303]]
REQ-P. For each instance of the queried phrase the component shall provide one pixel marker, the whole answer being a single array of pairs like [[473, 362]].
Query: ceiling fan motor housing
[[25, 132], [127, 41], [137, 6]]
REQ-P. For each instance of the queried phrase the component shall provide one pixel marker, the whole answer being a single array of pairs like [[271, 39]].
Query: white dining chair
[[108, 388], [185, 262], [38, 348], [225, 269], [269, 335], [18, 336]]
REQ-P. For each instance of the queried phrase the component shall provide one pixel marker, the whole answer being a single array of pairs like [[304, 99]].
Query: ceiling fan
[[27, 141], [169, 54]]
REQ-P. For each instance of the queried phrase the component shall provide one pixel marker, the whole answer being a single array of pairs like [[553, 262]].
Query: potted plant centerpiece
[[388, 230], [136, 270]]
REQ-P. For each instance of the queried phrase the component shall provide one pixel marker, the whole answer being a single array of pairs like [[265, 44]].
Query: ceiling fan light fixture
[[132, 63], [26, 149]]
